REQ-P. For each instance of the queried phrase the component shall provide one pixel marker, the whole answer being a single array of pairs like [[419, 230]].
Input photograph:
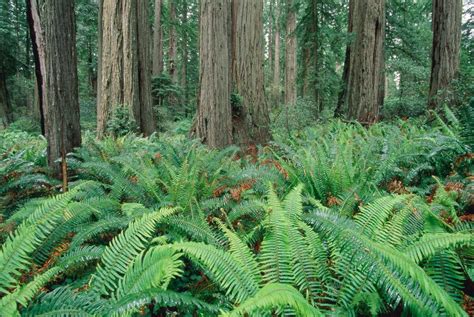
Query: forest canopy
[[236, 158]]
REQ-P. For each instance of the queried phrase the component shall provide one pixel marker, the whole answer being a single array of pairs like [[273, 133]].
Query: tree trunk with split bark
[[125, 64]]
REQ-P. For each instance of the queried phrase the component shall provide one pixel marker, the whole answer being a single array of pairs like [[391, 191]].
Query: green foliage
[[274, 296], [163, 224], [121, 121]]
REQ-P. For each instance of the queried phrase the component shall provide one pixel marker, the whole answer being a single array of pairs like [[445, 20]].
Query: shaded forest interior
[[236, 157]]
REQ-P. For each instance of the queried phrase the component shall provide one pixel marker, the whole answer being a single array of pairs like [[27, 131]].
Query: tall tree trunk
[[276, 63], [364, 69], [125, 64], [5, 107], [91, 74], [447, 15], [213, 123], [157, 41], [58, 73], [271, 41], [37, 41], [290, 56], [250, 115], [144, 37], [184, 50], [172, 42], [310, 54]]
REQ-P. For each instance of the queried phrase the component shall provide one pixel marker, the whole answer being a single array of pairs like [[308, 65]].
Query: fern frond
[[391, 269], [275, 256], [238, 283], [195, 228], [15, 255], [80, 256], [152, 269], [430, 244], [96, 228], [275, 296], [123, 249], [160, 298], [446, 270], [23, 294], [241, 252], [373, 216], [252, 208]]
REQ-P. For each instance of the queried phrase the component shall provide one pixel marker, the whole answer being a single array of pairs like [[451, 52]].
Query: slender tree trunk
[[290, 56], [276, 63], [185, 57], [99, 60], [5, 106], [213, 124], [157, 41], [36, 33], [59, 81], [147, 121], [125, 64], [91, 74], [250, 116], [445, 54], [271, 41], [172, 42], [364, 67], [310, 53]]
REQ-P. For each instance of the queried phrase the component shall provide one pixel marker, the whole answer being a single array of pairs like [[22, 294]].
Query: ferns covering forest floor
[[337, 220]]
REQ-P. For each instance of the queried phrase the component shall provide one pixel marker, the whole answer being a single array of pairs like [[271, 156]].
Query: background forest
[[236, 158]]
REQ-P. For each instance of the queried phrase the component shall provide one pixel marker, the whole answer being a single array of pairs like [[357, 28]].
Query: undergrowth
[[337, 219]]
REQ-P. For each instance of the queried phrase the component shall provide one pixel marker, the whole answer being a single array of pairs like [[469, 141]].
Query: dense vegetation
[[240, 158], [339, 220]]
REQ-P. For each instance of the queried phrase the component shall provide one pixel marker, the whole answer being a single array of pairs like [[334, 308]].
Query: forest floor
[[218, 227]]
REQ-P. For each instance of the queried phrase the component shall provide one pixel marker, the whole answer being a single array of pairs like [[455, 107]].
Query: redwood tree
[[52, 25], [447, 15], [276, 62], [125, 63], [157, 41], [290, 56], [172, 43], [5, 106], [364, 66], [249, 112], [213, 124]]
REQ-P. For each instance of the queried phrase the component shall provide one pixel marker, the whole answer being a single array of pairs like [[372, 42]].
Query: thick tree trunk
[[60, 102], [290, 56], [445, 54], [172, 42], [6, 114], [250, 115], [214, 125], [364, 69], [276, 62], [125, 64], [157, 41]]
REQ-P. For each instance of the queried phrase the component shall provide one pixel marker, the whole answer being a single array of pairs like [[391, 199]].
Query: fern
[[23, 294], [390, 267], [238, 283], [123, 249], [152, 269], [160, 298], [275, 296], [430, 244]]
